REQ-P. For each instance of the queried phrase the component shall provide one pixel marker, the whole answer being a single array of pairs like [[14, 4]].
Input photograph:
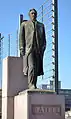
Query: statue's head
[[33, 14]]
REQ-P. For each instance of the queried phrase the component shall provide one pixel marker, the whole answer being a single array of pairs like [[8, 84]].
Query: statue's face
[[33, 15]]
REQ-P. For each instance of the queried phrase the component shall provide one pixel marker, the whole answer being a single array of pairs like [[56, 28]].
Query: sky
[[9, 23]]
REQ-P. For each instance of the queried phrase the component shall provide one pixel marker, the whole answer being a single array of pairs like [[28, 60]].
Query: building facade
[[67, 94]]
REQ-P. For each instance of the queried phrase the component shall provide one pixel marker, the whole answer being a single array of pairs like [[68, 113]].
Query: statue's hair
[[32, 10]]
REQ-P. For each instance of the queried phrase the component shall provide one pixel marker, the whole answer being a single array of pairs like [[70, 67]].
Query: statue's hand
[[21, 52]]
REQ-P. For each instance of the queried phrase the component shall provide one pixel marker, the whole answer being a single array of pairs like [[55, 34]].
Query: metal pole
[[0, 62], [56, 44], [1, 54], [42, 13], [0, 48], [21, 18], [20, 21], [9, 45], [17, 43]]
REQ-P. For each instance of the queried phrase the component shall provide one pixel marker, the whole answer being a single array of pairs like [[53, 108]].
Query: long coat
[[26, 42]]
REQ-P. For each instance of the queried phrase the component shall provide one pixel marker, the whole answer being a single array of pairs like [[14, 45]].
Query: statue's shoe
[[32, 87]]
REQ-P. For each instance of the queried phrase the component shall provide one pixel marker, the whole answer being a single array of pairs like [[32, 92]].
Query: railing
[[46, 14]]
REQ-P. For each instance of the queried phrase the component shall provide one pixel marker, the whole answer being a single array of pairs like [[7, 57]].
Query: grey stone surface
[[13, 80], [34, 104], [7, 107]]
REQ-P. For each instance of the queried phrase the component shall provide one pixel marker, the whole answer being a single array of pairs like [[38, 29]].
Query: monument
[[20, 97], [32, 46]]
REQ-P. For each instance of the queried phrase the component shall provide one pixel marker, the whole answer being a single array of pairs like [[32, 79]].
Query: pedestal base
[[39, 104]]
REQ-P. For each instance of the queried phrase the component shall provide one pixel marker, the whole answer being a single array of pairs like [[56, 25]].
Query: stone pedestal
[[19, 103], [39, 104], [13, 82]]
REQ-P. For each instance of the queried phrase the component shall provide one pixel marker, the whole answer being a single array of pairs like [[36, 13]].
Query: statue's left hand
[[21, 52]]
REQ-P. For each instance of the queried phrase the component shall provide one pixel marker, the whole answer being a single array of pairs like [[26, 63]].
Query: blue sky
[[9, 22]]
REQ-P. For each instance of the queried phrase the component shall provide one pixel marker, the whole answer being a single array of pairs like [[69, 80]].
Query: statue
[[32, 43]]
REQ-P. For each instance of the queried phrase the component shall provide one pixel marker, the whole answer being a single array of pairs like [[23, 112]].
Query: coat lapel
[[31, 25]]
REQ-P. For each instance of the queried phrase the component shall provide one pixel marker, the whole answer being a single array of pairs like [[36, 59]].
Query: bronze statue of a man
[[32, 47]]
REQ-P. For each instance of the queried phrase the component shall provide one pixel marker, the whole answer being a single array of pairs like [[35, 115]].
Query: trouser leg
[[35, 81], [32, 79]]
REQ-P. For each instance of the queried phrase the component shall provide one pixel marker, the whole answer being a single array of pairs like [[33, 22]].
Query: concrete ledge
[[37, 91]]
